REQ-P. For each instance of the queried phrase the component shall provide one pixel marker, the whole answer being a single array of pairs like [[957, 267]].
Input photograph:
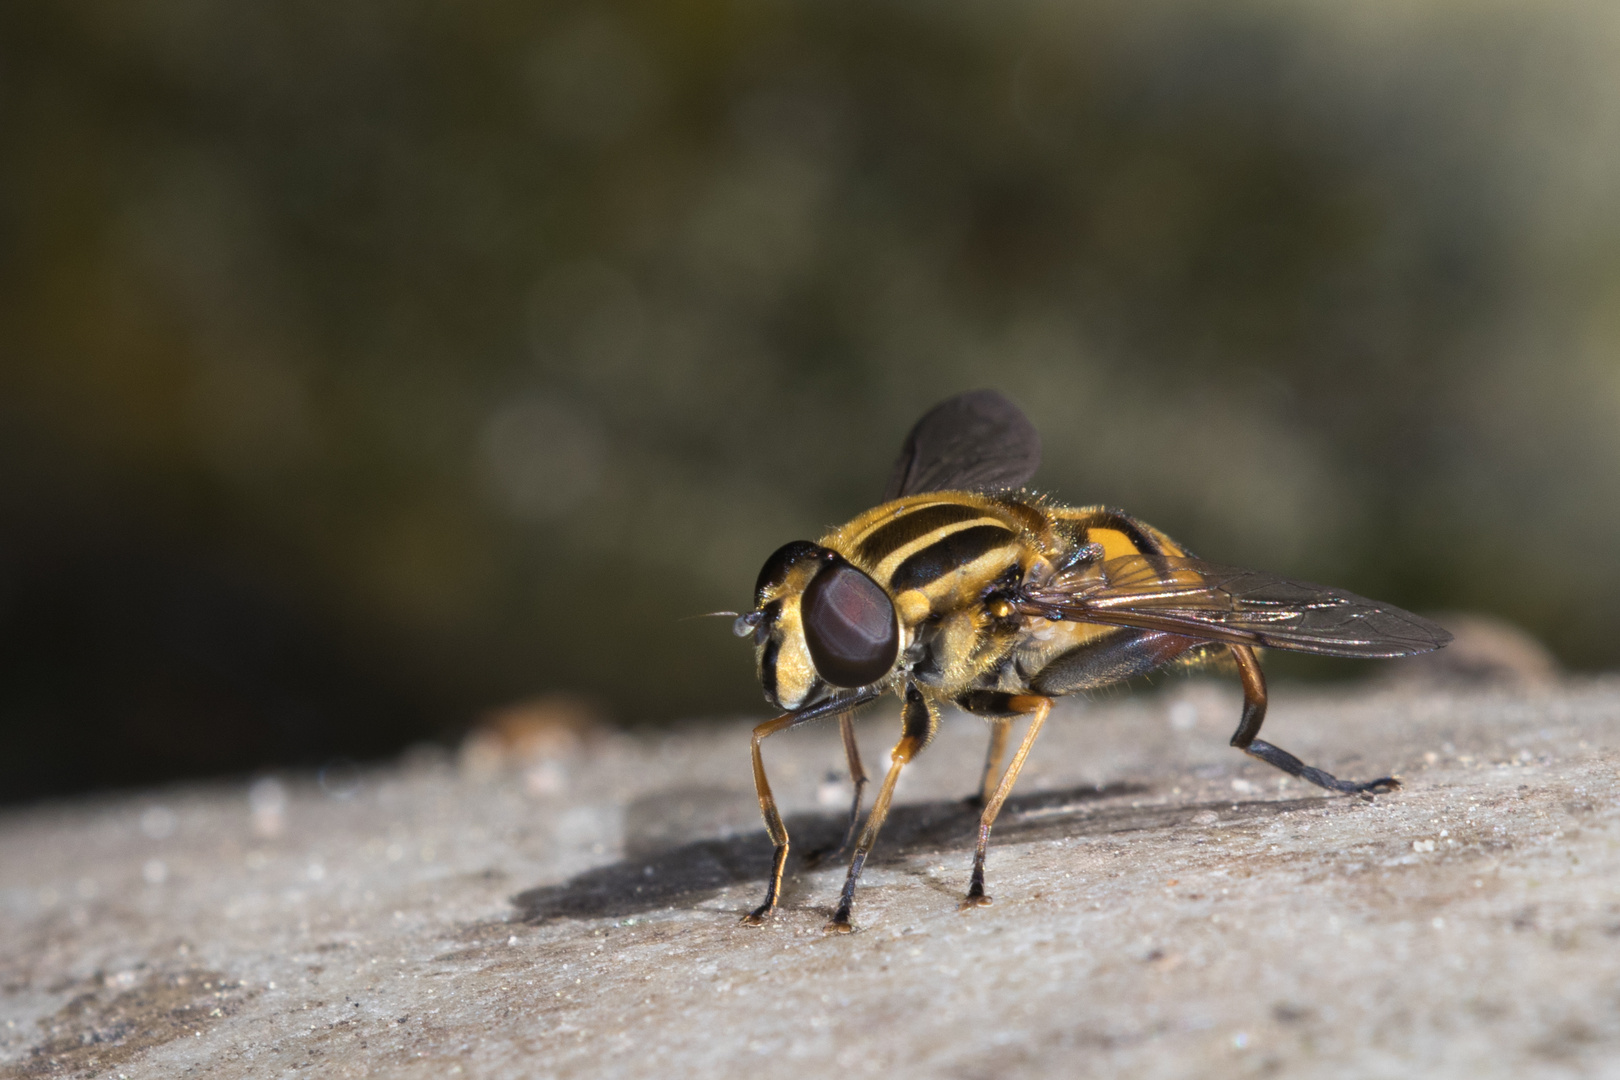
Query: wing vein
[[1220, 603]]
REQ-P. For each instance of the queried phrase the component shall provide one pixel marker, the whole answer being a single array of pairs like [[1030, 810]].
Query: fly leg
[[858, 777], [773, 818], [1037, 707], [1254, 714], [999, 726], [920, 721]]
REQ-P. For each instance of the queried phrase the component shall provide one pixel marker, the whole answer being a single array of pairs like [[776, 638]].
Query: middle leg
[[999, 726], [920, 720], [1037, 707]]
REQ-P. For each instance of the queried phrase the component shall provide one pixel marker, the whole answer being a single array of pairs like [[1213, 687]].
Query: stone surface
[[1164, 907]]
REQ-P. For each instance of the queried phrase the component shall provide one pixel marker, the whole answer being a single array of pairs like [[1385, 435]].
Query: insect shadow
[[672, 874]]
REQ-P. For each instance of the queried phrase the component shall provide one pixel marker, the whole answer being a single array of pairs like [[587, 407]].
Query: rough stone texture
[[1164, 907]]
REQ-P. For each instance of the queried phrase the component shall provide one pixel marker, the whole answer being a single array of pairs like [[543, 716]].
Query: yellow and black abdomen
[[1115, 531]]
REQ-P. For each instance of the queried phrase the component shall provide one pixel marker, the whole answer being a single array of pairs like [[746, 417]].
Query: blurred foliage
[[366, 364]]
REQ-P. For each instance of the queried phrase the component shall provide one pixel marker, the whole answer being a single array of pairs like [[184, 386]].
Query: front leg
[[857, 777], [773, 818], [767, 802]]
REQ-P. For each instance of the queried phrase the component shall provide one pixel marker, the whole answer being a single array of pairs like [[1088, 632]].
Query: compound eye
[[849, 627], [782, 560]]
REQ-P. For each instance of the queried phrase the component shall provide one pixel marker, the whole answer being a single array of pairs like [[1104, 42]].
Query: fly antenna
[[711, 615]]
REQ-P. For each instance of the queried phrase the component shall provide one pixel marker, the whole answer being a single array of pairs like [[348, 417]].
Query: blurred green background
[[366, 364]]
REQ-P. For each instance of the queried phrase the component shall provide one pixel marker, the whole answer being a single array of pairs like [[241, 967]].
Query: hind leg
[[1254, 714]]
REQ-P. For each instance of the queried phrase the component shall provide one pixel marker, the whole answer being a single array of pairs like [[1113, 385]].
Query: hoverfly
[[962, 588]]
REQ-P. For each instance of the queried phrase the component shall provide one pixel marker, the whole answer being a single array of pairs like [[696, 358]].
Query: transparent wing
[[977, 441], [1226, 603]]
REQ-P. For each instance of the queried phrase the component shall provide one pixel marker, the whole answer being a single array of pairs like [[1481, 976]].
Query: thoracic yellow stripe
[[884, 571], [909, 524], [967, 558]]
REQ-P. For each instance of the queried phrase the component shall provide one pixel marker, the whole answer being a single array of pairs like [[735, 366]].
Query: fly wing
[[977, 441], [1226, 603]]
